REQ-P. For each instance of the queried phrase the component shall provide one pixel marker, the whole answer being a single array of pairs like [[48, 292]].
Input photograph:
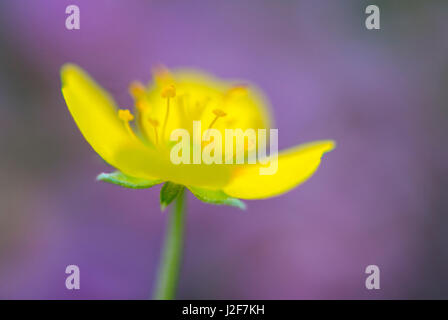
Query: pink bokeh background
[[379, 198]]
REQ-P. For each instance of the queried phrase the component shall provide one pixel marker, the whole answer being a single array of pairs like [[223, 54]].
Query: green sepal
[[216, 197], [119, 178], [168, 193]]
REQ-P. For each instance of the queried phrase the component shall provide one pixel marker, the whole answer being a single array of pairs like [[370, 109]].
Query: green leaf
[[216, 197], [168, 193], [123, 180]]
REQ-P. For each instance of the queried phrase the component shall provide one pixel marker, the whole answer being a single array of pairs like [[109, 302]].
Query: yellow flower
[[138, 144]]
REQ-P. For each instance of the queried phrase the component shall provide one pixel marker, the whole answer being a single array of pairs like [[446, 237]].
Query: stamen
[[168, 92], [137, 90], [237, 90], [155, 124], [142, 105], [219, 114], [138, 93], [161, 74], [126, 116], [231, 122]]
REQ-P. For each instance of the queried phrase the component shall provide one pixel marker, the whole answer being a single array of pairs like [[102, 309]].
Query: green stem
[[172, 252]]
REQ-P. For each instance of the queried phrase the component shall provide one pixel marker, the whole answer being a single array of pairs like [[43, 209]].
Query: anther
[[169, 91], [125, 115], [137, 90], [219, 114], [236, 90], [161, 73], [141, 105], [153, 122]]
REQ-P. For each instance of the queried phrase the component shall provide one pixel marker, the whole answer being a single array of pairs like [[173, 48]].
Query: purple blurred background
[[379, 198]]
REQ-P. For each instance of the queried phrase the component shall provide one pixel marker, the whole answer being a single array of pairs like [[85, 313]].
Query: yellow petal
[[145, 162], [295, 166], [95, 113]]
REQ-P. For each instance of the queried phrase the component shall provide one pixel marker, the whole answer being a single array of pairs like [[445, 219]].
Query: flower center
[[154, 117]]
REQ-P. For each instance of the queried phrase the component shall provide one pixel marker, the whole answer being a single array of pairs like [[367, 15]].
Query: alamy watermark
[[373, 280], [238, 146], [373, 19], [72, 282], [72, 22]]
